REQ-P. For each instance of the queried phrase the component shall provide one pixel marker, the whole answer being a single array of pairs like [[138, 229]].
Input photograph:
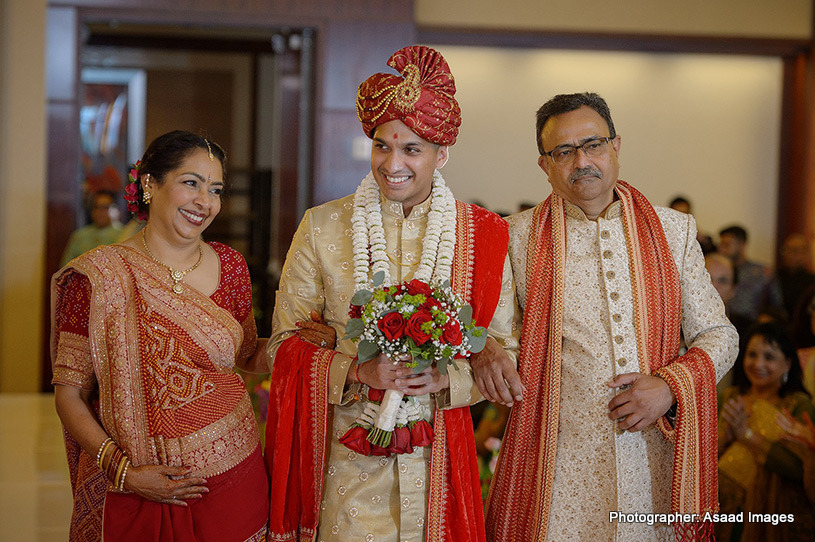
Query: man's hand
[[642, 403], [428, 381], [495, 374], [382, 373]]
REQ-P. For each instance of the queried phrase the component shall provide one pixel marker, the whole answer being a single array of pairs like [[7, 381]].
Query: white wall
[[701, 125]]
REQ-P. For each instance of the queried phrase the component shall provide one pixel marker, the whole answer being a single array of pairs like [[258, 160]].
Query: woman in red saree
[[161, 438]]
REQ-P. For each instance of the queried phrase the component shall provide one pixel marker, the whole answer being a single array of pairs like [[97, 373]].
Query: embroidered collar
[[615, 210], [395, 209]]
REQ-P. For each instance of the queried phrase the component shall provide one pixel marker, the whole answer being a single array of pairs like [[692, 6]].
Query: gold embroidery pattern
[[71, 364], [407, 93], [511, 485], [423, 100], [259, 536], [215, 448], [321, 421], [437, 494], [436, 524], [464, 252]]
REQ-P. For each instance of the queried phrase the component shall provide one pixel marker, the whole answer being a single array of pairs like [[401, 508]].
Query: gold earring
[[147, 196]]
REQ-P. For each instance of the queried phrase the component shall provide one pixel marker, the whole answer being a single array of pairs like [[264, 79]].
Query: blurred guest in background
[[803, 330], [104, 228], [793, 276], [758, 471], [682, 204], [755, 292]]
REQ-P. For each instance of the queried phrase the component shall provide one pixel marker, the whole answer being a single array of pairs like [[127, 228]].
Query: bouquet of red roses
[[429, 323]]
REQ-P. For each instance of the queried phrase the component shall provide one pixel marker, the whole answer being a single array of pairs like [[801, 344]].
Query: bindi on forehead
[[395, 136]]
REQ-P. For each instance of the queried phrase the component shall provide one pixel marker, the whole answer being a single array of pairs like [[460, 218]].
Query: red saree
[[162, 364], [521, 492], [299, 414]]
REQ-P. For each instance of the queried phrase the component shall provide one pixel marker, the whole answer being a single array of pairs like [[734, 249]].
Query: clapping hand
[[734, 412]]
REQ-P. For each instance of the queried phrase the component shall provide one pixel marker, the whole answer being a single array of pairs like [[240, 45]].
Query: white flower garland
[[368, 235], [370, 254]]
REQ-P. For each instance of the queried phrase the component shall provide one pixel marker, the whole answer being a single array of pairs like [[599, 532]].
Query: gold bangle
[[102, 448], [121, 485], [114, 466]]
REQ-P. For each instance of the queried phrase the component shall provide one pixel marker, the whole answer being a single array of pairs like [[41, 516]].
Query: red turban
[[422, 98]]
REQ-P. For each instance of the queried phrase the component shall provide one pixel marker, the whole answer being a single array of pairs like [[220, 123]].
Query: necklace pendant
[[177, 275], [177, 288]]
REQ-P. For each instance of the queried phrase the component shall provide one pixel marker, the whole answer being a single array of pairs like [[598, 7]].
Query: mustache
[[585, 171]]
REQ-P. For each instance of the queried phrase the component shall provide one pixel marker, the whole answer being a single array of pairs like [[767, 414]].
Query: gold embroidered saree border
[[216, 448]]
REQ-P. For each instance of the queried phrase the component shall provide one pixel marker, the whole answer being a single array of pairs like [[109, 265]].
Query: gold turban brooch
[[422, 98]]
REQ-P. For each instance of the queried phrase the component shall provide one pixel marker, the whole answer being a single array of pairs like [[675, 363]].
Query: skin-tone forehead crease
[[581, 141]]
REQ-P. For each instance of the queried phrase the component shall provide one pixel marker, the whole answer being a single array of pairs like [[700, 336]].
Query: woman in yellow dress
[[759, 471]]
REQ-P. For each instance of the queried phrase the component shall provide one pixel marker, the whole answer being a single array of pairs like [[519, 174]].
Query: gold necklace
[[175, 274]]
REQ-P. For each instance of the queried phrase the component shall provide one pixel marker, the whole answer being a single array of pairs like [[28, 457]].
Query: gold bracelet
[[102, 448], [113, 467], [121, 485]]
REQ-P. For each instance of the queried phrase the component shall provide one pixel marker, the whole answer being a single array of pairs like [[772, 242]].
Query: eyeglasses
[[593, 148]]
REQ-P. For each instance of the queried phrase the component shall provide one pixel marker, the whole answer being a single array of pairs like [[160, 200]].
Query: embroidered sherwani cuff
[[462, 390], [338, 394]]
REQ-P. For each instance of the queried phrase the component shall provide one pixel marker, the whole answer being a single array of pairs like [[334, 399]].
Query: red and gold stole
[[521, 492], [299, 416]]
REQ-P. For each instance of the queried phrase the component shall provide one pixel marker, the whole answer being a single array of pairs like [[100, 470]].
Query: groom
[[402, 221]]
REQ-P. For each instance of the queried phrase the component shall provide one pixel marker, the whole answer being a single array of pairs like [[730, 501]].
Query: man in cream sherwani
[[613, 418]]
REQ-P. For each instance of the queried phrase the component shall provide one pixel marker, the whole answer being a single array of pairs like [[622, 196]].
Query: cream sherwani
[[597, 468], [369, 498]]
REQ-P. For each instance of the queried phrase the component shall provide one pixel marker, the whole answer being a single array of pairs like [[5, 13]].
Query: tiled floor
[[35, 496]]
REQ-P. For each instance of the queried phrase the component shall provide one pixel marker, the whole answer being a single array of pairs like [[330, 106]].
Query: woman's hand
[[801, 432], [734, 412], [168, 485], [317, 332]]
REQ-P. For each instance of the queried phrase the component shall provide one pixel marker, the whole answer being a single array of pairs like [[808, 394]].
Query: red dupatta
[[299, 416], [521, 492]]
